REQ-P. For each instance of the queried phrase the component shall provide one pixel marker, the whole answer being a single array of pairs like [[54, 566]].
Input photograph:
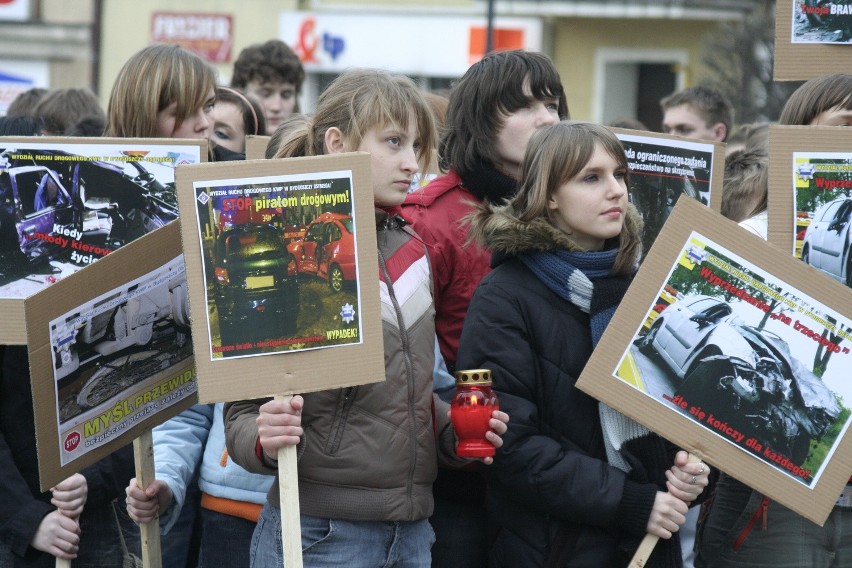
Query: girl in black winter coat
[[576, 483]]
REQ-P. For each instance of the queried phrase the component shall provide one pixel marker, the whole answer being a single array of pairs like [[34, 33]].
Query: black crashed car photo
[[99, 204], [747, 375], [255, 287]]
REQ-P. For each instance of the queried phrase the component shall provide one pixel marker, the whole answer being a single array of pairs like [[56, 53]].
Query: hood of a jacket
[[499, 230], [436, 188]]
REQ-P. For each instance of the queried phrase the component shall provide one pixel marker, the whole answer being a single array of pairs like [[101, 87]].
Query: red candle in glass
[[470, 411]]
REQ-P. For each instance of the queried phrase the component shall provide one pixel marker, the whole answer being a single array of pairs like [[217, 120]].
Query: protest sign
[[110, 353], [810, 202], [72, 201], [811, 39], [310, 297], [746, 368], [664, 167]]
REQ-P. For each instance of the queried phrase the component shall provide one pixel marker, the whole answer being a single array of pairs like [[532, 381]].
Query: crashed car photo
[[746, 375], [122, 339], [60, 211], [327, 250], [255, 289], [826, 245], [33, 202]]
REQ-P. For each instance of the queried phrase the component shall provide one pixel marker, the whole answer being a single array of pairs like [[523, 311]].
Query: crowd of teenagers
[[506, 240]]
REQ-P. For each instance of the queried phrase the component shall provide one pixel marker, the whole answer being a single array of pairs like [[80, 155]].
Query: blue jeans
[[789, 540], [330, 543], [225, 540]]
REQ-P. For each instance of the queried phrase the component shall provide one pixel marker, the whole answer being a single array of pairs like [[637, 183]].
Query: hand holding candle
[[471, 411]]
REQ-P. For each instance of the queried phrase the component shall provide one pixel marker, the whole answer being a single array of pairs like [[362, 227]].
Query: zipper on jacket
[[344, 405], [409, 366]]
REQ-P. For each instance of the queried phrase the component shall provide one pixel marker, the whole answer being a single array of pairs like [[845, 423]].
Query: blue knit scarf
[[572, 276]]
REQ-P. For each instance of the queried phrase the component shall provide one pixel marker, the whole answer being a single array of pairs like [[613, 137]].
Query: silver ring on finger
[[692, 481]]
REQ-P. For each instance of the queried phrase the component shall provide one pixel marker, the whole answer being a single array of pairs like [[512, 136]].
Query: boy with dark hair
[[272, 73], [493, 111], [481, 153], [698, 112]]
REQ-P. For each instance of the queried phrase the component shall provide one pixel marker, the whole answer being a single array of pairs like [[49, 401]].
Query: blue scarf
[[582, 278]]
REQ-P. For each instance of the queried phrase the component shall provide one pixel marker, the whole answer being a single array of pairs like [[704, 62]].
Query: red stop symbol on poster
[[72, 440]]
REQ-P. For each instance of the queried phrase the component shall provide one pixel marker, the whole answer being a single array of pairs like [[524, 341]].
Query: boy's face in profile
[[517, 129], [278, 99], [683, 120]]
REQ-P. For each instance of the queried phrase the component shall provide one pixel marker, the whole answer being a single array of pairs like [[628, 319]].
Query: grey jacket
[[369, 452]]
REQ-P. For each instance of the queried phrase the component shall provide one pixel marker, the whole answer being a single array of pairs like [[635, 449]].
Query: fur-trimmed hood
[[497, 229]]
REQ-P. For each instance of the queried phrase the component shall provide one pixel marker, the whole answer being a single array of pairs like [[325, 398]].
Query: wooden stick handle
[[644, 551], [640, 558], [288, 494], [62, 563], [143, 453]]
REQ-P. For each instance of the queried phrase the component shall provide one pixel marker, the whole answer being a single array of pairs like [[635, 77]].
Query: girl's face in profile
[[393, 158], [197, 125], [590, 207], [228, 127], [393, 152]]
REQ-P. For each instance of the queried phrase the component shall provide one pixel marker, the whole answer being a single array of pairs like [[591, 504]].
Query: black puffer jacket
[[553, 498]]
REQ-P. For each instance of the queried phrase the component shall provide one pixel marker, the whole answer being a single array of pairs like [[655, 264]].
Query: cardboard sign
[[810, 181], [72, 201], [256, 146], [730, 348], [281, 258], [811, 39], [110, 353], [664, 167]]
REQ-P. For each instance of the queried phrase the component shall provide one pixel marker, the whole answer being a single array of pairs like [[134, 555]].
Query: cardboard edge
[[256, 146], [784, 141], [12, 321]]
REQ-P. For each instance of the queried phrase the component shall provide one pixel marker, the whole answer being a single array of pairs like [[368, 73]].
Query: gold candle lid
[[473, 377]]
